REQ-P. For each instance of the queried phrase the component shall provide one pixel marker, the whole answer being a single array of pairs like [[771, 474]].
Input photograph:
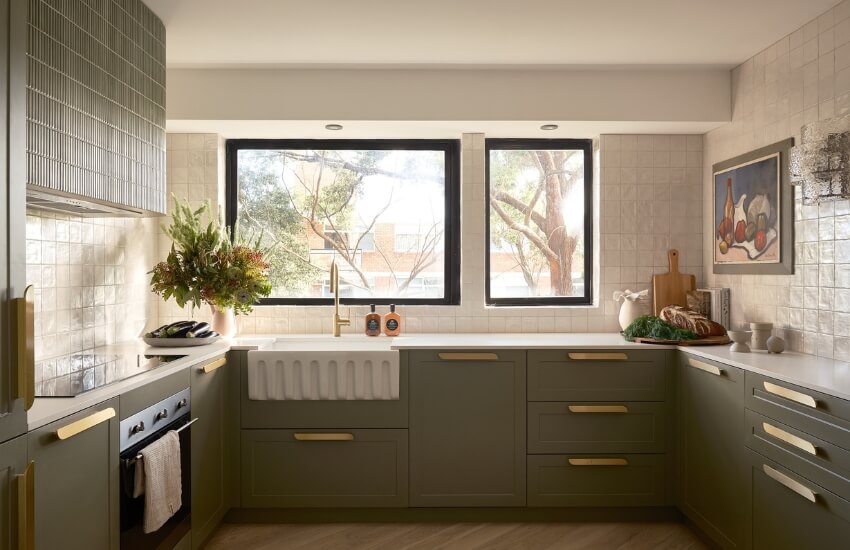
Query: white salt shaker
[[761, 332]]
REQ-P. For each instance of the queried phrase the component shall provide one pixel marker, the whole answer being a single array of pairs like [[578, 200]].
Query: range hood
[[96, 124], [78, 205]]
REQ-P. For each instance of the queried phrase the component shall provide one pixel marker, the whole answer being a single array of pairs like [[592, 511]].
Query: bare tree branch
[[525, 230]]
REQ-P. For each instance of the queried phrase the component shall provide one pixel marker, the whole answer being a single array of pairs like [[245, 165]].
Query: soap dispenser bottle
[[373, 323], [392, 322]]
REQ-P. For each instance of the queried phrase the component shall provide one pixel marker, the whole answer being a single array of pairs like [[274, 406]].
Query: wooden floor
[[457, 536]]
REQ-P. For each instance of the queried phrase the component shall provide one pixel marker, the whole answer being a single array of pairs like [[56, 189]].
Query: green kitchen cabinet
[[323, 468], [13, 472], [467, 428], [16, 376], [712, 469], [213, 440], [77, 480], [789, 512]]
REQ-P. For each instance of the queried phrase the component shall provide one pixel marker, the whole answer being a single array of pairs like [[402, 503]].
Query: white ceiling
[[407, 33]]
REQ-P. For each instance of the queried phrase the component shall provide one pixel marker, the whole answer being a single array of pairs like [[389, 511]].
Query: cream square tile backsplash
[[89, 277], [802, 78]]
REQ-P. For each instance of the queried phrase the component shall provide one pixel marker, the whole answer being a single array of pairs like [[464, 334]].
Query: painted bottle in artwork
[[729, 213]]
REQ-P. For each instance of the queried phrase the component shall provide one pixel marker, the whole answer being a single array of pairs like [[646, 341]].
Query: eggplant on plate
[[183, 329]]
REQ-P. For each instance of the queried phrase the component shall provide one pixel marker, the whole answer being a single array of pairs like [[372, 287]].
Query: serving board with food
[[676, 325]]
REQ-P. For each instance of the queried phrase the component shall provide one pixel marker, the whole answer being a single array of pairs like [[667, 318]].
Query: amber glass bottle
[[392, 322], [373, 323]]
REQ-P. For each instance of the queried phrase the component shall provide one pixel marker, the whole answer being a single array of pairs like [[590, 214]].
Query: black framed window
[[539, 222], [387, 211]]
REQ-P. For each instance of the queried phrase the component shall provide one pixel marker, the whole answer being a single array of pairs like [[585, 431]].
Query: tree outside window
[[352, 202], [539, 222]]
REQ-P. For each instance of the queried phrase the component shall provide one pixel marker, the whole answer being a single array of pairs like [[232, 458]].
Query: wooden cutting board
[[707, 341], [670, 288]]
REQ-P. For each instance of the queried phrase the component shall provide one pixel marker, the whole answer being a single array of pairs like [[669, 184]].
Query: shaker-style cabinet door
[[467, 428], [713, 491], [213, 440], [77, 480], [16, 376]]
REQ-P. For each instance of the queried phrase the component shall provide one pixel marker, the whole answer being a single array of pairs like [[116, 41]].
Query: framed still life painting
[[754, 213]]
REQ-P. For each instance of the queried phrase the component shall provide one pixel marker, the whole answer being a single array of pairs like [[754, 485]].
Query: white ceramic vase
[[224, 321], [632, 307]]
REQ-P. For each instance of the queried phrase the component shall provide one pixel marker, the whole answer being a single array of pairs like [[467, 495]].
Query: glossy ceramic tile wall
[[639, 175], [89, 276], [802, 78]]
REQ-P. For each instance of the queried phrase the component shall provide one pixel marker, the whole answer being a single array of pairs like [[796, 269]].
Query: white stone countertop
[[817, 373]]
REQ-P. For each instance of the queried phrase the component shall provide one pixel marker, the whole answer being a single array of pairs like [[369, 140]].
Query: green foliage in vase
[[205, 265]]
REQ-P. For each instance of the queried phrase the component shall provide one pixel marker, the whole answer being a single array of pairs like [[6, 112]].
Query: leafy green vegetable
[[649, 326]]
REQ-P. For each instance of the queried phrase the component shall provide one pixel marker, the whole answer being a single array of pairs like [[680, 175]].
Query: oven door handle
[[178, 430]]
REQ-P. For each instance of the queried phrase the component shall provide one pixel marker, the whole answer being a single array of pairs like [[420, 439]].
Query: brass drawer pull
[[789, 438], [24, 346], [787, 393], [324, 437], [209, 367], [25, 487], [597, 356], [468, 356], [598, 462], [598, 408], [705, 367], [83, 424], [792, 484]]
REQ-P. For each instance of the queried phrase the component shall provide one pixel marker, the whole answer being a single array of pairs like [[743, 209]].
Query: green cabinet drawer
[[598, 480], [581, 427], [810, 456], [790, 512], [324, 468], [815, 413], [304, 414], [594, 375]]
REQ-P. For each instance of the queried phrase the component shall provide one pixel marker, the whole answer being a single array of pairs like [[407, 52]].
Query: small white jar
[[761, 332]]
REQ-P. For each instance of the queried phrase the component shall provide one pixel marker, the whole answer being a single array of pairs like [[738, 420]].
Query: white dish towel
[[159, 477]]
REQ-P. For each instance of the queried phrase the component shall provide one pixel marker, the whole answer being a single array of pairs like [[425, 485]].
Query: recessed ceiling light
[[333, 127], [549, 127]]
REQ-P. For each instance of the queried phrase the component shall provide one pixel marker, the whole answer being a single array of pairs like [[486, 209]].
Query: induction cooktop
[[71, 375]]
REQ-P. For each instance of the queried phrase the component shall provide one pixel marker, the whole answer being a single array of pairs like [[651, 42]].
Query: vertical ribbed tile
[[96, 100]]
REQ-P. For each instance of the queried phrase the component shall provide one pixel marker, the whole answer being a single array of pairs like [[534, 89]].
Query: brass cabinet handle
[[705, 367], [789, 438], [793, 395], [792, 484], [598, 462], [324, 437], [597, 356], [466, 356], [70, 430], [598, 408], [24, 345], [209, 367], [25, 487]]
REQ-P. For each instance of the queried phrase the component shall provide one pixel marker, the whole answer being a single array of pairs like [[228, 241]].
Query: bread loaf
[[697, 323]]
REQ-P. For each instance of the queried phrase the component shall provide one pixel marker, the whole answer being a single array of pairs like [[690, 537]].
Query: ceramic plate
[[180, 342]]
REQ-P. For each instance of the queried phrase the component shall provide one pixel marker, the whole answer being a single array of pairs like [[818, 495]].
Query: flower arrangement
[[205, 265]]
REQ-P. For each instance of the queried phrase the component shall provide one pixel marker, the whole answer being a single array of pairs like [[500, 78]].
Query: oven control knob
[[182, 403], [161, 414], [140, 427]]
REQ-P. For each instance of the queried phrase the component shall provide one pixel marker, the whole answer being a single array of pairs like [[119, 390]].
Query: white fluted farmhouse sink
[[324, 368]]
